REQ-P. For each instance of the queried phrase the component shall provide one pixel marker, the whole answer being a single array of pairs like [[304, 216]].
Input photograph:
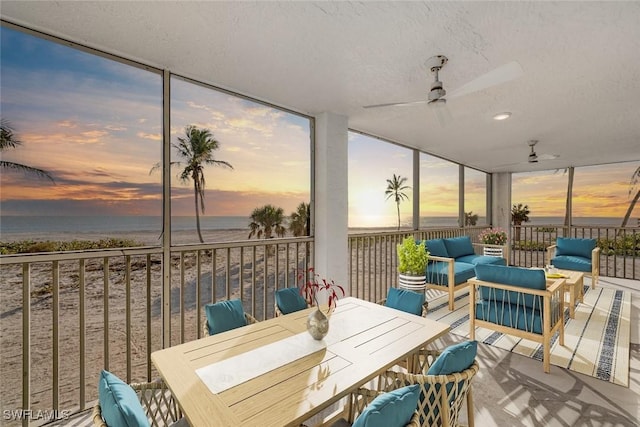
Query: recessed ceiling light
[[502, 116]]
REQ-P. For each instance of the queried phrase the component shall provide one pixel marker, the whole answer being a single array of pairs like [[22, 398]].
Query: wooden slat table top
[[367, 339]]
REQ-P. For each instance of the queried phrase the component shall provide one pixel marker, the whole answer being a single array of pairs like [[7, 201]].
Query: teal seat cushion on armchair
[[438, 272], [289, 300], [405, 300], [224, 316], [575, 263], [391, 409], [119, 403]]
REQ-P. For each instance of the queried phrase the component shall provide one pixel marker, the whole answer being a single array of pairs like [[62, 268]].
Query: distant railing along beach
[[67, 315]]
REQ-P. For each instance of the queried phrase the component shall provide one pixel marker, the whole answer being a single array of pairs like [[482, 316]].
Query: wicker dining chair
[[157, 402], [442, 396], [205, 324]]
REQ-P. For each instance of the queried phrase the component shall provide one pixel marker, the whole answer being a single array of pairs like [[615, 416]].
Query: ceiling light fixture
[[502, 116]]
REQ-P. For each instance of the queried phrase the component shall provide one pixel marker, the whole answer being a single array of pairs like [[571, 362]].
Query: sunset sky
[[95, 125]]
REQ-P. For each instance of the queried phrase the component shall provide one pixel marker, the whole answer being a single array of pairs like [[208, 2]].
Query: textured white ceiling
[[579, 95]]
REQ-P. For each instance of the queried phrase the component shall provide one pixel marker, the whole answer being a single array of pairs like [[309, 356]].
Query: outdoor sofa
[[517, 301], [452, 262]]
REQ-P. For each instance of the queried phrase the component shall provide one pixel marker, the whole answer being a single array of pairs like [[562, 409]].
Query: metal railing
[[619, 254], [65, 316]]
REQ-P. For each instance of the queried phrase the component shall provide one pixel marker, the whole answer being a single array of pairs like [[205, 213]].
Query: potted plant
[[412, 264], [494, 237], [310, 283]]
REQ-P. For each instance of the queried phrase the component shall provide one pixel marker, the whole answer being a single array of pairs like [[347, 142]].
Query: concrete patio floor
[[512, 390]]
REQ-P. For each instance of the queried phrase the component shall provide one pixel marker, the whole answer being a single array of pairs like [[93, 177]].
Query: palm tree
[[635, 178], [395, 188], [9, 140], [299, 220], [519, 214], [470, 218], [266, 220], [196, 149]]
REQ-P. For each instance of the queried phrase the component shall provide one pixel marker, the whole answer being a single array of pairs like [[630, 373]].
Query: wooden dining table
[[273, 373]]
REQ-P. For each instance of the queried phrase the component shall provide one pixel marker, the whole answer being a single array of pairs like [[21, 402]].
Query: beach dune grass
[[32, 246]]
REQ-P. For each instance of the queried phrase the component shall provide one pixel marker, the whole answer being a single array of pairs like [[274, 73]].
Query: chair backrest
[[574, 246], [441, 396], [139, 404], [225, 315], [289, 300], [405, 300]]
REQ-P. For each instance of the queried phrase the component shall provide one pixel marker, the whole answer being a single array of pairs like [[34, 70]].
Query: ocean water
[[100, 224], [121, 224]]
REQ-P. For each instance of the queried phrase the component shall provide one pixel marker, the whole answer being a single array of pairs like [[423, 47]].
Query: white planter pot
[[489, 251], [412, 283]]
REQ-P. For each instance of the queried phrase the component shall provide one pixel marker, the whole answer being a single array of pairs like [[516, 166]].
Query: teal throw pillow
[[459, 246], [405, 300], [436, 247], [289, 300], [224, 316], [455, 358], [119, 403], [391, 409]]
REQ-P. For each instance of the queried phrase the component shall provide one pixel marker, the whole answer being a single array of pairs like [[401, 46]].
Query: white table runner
[[228, 373]]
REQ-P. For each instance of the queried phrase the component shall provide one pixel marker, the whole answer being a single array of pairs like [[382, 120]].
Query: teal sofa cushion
[[405, 300], [516, 276], [438, 272], [481, 259], [436, 247], [289, 300], [391, 409], [455, 358], [459, 246], [575, 263], [510, 315], [119, 403], [225, 315], [575, 247]]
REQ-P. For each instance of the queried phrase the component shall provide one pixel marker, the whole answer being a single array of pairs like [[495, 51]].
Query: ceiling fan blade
[[547, 156], [396, 104], [442, 112], [502, 74]]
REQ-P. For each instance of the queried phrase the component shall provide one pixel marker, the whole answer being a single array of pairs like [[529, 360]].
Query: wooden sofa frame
[[552, 314]]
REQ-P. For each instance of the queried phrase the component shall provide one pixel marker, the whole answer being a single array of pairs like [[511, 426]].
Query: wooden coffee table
[[573, 283]]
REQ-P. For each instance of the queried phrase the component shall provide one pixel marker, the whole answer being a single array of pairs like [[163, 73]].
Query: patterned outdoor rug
[[596, 341]]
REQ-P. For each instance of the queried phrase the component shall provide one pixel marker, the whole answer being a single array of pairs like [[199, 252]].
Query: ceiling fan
[[535, 157], [437, 95]]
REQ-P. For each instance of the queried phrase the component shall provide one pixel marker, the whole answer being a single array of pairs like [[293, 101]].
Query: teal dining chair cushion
[[225, 315], [405, 300], [289, 300], [119, 403], [455, 358], [391, 409]]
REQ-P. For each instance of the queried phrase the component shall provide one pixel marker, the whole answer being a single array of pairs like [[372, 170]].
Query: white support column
[[501, 201], [331, 197]]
